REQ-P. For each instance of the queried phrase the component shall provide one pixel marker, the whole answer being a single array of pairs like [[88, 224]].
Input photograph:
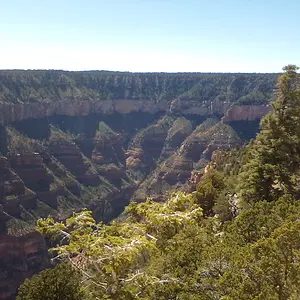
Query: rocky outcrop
[[31, 169], [108, 154], [246, 113], [176, 170], [208, 137], [179, 131], [13, 191], [20, 258], [70, 156], [193, 154]]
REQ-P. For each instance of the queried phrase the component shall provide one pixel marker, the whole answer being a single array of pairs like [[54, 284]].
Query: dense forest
[[237, 236], [19, 86]]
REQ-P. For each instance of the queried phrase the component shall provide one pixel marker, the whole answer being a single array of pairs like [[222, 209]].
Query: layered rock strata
[[70, 140]]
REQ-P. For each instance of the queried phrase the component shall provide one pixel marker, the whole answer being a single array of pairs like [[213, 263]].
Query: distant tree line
[[18, 86]]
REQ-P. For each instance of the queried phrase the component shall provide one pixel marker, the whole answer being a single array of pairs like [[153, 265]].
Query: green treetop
[[274, 165]]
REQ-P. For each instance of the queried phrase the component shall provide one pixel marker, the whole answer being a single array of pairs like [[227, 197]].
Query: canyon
[[98, 140]]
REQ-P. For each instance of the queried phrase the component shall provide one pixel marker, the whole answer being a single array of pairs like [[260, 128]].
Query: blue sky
[[150, 35]]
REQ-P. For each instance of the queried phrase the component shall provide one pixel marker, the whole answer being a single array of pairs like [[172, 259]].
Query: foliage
[[253, 98], [60, 137], [60, 283], [169, 251], [16, 227], [19, 86], [208, 190], [113, 257], [20, 144], [267, 269], [179, 130], [104, 128], [274, 163], [160, 128]]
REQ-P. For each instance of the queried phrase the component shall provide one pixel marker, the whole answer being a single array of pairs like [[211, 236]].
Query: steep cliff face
[[71, 140], [22, 251], [20, 257], [10, 112], [38, 94], [246, 113]]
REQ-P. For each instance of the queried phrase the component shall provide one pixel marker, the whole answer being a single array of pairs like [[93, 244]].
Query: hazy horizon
[[146, 72]]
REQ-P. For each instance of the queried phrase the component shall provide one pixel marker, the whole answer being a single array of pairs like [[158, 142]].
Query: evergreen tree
[[274, 165], [208, 190], [268, 269], [59, 283]]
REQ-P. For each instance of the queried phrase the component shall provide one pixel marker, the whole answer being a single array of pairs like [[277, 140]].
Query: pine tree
[[207, 191], [274, 165]]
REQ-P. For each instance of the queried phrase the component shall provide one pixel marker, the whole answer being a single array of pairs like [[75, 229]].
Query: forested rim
[[46, 86], [236, 237]]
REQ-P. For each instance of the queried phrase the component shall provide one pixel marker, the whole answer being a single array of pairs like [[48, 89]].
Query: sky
[[150, 35]]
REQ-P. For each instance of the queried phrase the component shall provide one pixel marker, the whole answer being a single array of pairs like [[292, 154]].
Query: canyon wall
[[17, 112], [20, 257], [39, 94], [99, 140], [245, 112]]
